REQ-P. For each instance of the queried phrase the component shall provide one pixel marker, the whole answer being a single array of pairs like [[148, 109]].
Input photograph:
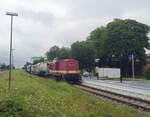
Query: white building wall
[[109, 72]]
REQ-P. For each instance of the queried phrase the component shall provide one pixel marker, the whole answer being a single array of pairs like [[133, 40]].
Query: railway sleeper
[[137, 103]]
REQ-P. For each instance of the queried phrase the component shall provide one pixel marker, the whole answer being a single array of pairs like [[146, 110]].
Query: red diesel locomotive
[[67, 69]]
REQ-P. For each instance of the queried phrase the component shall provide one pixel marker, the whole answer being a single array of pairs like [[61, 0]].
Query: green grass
[[32, 96]]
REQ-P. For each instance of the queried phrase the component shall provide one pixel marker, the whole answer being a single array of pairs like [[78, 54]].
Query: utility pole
[[120, 70], [132, 66], [13, 58], [10, 61]]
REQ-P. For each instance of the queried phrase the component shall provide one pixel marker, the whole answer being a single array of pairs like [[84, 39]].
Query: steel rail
[[128, 100]]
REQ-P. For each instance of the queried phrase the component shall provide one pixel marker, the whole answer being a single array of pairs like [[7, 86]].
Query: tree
[[126, 37], [26, 64], [3, 66], [64, 53], [97, 37], [83, 52], [120, 38], [52, 53]]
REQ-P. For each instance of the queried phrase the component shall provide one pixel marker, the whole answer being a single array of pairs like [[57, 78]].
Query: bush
[[14, 108], [10, 108], [147, 73]]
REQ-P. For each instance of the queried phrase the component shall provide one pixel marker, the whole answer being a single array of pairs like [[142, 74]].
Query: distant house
[[140, 71], [148, 63]]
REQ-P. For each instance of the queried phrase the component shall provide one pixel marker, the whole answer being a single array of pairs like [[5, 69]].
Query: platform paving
[[139, 89]]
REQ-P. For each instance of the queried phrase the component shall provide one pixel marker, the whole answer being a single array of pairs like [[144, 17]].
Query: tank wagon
[[28, 68], [43, 68], [40, 69]]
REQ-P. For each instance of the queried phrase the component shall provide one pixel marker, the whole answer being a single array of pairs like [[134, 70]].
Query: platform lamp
[[10, 68], [120, 69]]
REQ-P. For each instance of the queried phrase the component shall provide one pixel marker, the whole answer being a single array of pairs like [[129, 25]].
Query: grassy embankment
[[32, 96]]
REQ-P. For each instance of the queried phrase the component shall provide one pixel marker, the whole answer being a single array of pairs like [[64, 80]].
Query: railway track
[[128, 100]]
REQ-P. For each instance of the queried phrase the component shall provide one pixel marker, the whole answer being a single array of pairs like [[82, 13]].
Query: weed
[[33, 96]]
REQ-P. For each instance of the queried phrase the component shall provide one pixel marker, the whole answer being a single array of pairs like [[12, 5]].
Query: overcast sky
[[42, 24]]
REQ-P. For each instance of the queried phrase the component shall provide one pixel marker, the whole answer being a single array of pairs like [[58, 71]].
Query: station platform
[[139, 89]]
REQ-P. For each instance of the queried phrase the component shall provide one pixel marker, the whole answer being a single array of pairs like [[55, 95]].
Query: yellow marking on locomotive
[[65, 71]]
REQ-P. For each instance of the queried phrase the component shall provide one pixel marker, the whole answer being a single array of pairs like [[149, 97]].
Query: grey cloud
[[42, 24], [46, 18], [109, 8]]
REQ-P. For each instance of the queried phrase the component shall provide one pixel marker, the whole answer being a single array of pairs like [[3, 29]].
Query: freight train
[[62, 69]]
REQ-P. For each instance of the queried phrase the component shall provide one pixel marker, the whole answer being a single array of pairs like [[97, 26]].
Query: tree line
[[3, 66], [112, 44]]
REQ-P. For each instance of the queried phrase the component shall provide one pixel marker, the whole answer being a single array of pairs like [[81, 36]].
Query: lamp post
[[120, 70], [13, 58], [10, 64], [132, 66]]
